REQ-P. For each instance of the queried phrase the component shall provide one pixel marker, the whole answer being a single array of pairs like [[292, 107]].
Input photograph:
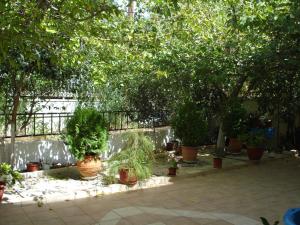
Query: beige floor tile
[[78, 220], [64, 204], [12, 212], [143, 219], [52, 221], [259, 190], [217, 222], [69, 211], [179, 221], [35, 208], [15, 220], [42, 216]]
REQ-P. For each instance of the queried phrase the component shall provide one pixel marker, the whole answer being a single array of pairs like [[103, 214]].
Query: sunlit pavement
[[238, 197]]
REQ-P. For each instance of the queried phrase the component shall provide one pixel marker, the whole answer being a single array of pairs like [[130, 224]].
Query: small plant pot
[[126, 179], [217, 162], [33, 166], [172, 171], [2, 187], [255, 153]]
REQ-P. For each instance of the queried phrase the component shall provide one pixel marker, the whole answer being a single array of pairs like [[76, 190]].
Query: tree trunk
[[234, 94], [131, 8], [221, 138], [13, 123]]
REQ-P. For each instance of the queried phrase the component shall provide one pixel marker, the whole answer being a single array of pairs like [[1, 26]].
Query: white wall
[[56, 151]]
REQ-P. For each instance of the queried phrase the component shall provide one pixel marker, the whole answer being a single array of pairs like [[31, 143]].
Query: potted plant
[[174, 166], [254, 141], [32, 166], [8, 177], [218, 158], [86, 136], [233, 125], [190, 126], [134, 161]]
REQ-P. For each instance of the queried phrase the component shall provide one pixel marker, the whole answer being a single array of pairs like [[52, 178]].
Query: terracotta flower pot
[[217, 163], [33, 166], [89, 167], [172, 171], [255, 153], [235, 146], [189, 154], [126, 179], [2, 187]]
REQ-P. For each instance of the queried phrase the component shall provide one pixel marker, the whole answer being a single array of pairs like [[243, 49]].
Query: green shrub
[[8, 175], [86, 133], [190, 125], [137, 156], [254, 138]]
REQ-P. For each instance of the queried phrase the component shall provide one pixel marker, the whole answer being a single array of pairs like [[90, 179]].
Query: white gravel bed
[[41, 188]]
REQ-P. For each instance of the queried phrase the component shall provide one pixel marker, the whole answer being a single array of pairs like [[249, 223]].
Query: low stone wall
[[51, 150]]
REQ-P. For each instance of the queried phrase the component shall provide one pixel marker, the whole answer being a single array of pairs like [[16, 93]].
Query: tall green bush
[[86, 133], [190, 125]]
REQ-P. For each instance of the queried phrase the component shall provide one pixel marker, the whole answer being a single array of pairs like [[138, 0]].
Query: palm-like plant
[[136, 156]]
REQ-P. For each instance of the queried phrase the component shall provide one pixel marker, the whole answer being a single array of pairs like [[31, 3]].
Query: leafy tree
[[42, 48]]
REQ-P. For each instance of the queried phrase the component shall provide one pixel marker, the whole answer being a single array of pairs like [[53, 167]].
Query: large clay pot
[[235, 146], [189, 154], [2, 187], [89, 167], [126, 179], [255, 153], [33, 166], [217, 162]]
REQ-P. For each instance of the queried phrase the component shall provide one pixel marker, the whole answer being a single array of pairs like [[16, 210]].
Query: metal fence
[[39, 124]]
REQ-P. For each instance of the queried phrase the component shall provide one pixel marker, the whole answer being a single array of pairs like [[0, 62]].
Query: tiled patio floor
[[236, 197]]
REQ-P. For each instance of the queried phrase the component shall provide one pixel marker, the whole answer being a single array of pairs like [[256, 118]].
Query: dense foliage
[[234, 120], [208, 52], [86, 133], [190, 125]]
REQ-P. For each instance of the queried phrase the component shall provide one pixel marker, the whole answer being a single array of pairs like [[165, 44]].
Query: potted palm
[[254, 141], [8, 177], [233, 125], [134, 161], [190, 126], [86, 137]]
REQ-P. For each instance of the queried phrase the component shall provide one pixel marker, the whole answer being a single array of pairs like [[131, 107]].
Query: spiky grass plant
[[137, 156]]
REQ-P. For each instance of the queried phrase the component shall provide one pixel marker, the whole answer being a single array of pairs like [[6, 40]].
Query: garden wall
[[51, 150]]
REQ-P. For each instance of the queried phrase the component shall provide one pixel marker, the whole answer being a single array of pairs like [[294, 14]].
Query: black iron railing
[[38, 124]]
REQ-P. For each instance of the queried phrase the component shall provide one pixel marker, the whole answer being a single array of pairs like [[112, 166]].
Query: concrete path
[[237, 197]]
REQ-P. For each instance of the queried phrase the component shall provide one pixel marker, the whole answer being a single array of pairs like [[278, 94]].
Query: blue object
[[270, 132], [292, 217]]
